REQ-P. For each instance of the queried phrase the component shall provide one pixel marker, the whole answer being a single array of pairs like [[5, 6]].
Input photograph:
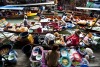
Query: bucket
[[27, 50]]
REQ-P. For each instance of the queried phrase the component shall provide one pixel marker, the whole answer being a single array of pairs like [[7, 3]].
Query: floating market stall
[[31, 36]]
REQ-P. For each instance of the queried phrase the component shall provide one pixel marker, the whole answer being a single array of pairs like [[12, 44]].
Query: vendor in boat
[[4, 22], [25, 21], [48, 10], [88, 41], [90, 53], [59, 40], [64, 17], [49, 39], [73, 40]]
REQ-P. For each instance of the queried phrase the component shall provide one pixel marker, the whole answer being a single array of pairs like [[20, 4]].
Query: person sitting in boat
[[20, 12], [42, 8], [4, 22], [56, 34], [39, 13], [88, 40], [64, 17], [73, 40], [86, 52], [81, 51], [49, 39], [52, 57], [59, 39], [90, 53]]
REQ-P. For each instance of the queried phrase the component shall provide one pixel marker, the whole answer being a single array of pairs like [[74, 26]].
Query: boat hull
[[18, 16]]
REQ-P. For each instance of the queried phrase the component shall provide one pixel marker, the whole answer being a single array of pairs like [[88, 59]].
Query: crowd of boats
[[29, 36]]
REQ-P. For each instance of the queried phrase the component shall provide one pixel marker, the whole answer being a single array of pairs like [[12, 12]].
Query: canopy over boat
[[11, 8], [35, 4], [86, 8]]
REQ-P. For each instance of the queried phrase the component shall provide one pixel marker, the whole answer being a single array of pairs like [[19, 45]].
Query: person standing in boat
[[25, 21]]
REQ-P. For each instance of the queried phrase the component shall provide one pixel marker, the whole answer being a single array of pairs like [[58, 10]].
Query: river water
[[19, 20]]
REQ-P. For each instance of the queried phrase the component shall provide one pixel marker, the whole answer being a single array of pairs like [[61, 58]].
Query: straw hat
[[25, 16]]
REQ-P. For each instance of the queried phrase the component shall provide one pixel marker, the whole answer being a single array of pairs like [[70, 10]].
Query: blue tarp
[[11, 8]]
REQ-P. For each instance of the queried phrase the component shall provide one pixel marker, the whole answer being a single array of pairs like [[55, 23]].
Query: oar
[[91, 27]]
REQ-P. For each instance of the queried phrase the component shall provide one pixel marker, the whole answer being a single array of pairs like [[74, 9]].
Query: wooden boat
[[18, 16], [85, 20], [53, 17], [12, 16], [36, 28], [14, 12], [49, 13]]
